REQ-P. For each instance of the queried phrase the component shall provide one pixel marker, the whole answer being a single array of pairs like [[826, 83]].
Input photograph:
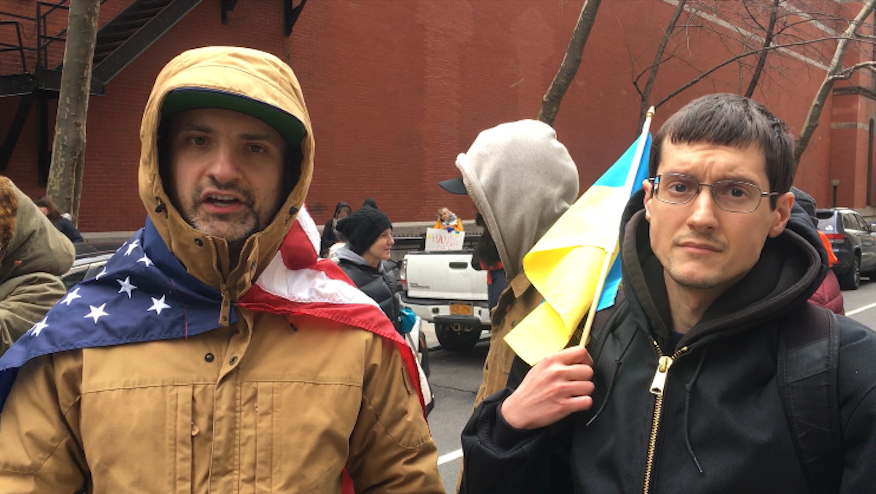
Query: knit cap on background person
[[363, 227], [370, 203]]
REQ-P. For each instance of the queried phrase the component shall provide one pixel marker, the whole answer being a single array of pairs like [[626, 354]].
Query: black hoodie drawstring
[[689, 388], [611, 383]]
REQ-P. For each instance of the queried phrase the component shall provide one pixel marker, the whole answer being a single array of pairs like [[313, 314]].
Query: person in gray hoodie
[[505, 163], [33, 254]]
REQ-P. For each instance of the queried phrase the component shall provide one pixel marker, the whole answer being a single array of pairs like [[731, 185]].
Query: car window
[[74, 276], [94, 269], [849, 222], [862, 225], [825, 224]]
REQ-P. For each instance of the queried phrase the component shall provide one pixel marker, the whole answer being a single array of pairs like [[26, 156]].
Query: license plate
[[461, 310]]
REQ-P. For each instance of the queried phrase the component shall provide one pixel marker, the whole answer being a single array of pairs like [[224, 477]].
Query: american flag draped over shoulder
[[142, 294], [297, 282], [145, 294]]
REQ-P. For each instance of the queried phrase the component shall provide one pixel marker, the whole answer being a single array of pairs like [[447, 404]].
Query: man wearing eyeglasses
[[709, 376]]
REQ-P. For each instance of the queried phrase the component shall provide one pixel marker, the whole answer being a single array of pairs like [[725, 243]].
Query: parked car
[[91, 257], [854, 244]]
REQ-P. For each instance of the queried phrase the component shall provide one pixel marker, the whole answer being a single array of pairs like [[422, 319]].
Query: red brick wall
[[397, 89]]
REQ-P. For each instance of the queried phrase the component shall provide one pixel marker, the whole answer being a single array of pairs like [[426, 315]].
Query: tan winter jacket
[[33, 253], [253, 407]]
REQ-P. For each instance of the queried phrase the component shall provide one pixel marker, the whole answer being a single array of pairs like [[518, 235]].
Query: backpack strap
[[807, 369]]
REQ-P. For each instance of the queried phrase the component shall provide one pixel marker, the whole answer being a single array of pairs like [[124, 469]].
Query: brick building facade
[[396, 89]]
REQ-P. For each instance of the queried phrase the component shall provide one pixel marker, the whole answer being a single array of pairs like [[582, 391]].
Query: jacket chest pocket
[[294, 436]]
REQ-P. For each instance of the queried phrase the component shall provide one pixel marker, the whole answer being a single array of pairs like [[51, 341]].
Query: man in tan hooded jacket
[[33, 254], [260, 400]]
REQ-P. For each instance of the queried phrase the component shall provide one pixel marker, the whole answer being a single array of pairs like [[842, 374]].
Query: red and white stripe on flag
[[297, 282]]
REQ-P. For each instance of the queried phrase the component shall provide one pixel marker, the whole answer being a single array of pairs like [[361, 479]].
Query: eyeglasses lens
[[730, 195]]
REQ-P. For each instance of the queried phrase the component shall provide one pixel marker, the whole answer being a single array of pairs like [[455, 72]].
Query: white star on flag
[[35, 330], [101, 273], [145, 260], [73, 295], [158, 305], [133, 245], [127, 287], [96, 313]]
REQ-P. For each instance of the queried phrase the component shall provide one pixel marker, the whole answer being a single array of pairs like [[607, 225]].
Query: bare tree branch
[[550, 103], [658, 59], [761, 58], [812, 117], [731, 60]]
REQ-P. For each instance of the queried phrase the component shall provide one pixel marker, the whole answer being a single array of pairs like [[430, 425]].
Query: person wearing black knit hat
[[369, 243]]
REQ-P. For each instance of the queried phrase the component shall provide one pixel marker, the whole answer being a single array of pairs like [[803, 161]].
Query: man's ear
[[647, 186], [781, 214]]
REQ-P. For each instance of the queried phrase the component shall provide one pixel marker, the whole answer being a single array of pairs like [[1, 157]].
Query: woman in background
[[64, 225], [330, 234], [448, 221]]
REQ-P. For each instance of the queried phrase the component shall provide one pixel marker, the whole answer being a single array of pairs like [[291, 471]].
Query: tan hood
[[29, 243], [251, 74]]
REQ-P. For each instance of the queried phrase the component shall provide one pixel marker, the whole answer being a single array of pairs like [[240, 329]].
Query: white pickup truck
[[443, 288]]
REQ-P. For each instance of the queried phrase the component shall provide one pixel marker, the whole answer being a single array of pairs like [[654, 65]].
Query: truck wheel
[[851, 280], [456, 340]]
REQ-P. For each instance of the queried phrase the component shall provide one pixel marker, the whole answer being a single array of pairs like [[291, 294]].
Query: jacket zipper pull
[[659, 381]]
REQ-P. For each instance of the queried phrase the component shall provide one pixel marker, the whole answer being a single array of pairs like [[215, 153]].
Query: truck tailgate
[[444, 275]]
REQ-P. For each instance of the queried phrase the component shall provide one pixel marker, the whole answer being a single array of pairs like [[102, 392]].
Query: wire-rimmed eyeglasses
[[730, 195]]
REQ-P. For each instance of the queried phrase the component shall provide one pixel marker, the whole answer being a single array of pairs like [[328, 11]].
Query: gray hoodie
[[521, 179]]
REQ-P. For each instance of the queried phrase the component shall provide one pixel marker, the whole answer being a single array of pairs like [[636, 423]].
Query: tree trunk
[[811, 122], [658, 59], [550, 103], [68, 148]]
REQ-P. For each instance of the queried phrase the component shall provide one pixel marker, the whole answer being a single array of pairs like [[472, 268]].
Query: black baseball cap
[[180, 100], [454, 186]]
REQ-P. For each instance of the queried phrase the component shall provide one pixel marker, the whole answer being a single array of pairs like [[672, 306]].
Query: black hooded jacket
[[722, 427], [378, 283]]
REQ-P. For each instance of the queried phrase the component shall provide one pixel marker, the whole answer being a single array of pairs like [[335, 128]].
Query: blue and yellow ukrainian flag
[[576, 259]]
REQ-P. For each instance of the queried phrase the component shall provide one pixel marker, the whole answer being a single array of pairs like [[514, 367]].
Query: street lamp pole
[[835, 183]]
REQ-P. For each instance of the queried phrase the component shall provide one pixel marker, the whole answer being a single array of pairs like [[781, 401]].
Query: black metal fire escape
[[119, 42]]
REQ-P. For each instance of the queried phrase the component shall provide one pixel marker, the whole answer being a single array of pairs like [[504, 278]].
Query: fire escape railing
[[20, 48]]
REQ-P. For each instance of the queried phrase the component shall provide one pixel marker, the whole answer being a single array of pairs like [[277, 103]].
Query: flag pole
[[606, 266]]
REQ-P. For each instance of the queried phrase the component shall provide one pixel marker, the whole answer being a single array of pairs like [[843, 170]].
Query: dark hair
[[486, 250], [46, 202], [726, 119]]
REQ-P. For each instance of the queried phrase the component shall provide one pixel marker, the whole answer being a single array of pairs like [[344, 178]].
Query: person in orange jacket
[[448, 221], [828, 295]]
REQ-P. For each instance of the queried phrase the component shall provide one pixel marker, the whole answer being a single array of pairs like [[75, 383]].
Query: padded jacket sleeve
[[499, 458], [24, 300]]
